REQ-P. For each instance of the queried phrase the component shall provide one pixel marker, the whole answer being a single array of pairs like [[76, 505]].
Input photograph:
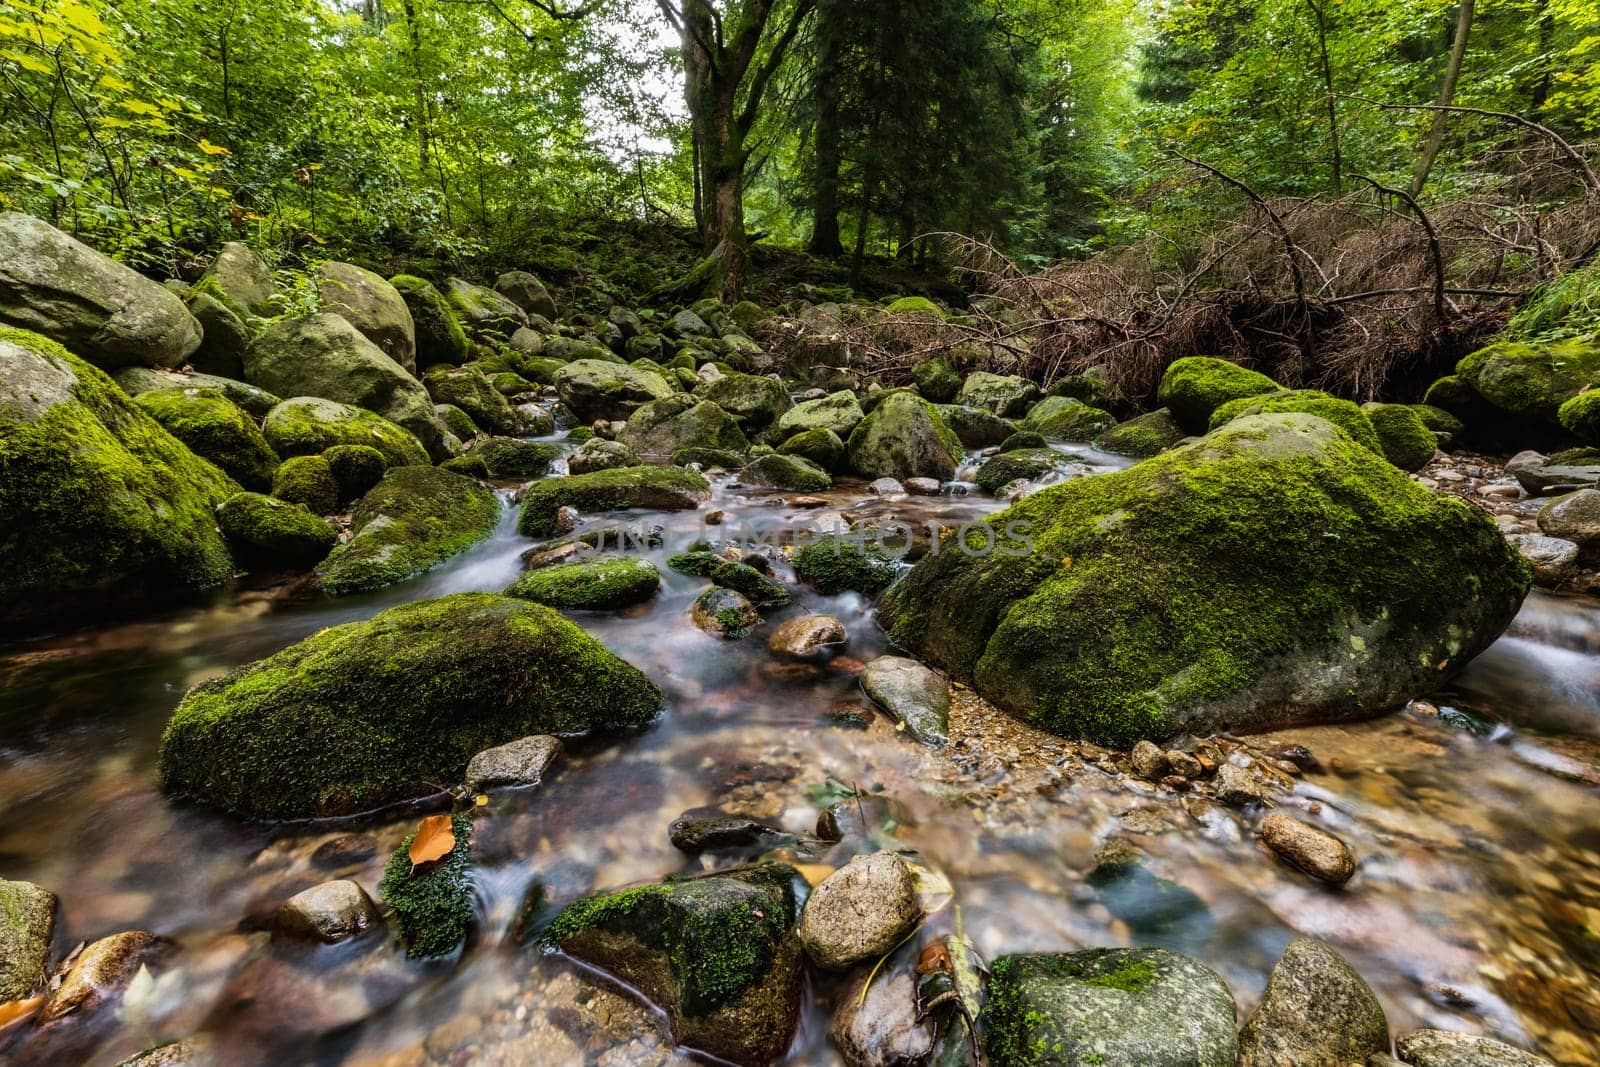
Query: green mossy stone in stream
[[27, 926], [1026, 464], [309, 482], [509, 383], [104, 509], [511, 457], [716, 952], [215, 428], [414, 518], [1023, 439], [268, 532], [468, 389], [1195, 386], [1580, 416], [916, 307], [440, 338], [457, 421], [136, 380], [580, 434], [1142, 436], [1272, 573], [661, 428], [724, 612], [1344, 414], [468, 465], [697, 562], [1405, 440], [308, 425], [431, 903], [754, 402], [904, 437], [937, 380], [1091, 388], [791, 473], [371, 713], [974, 427], [822, 447], [1062, 418], [839, 412], [708, 458], [750, 583], [1006, 395], [1144, 1006], [1532, 379], [837, 565], [356, 468], [663, 488], [597, 583], [1441, 422], [599, 389]]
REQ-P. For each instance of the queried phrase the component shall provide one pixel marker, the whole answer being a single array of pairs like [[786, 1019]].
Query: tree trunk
[[825, 196], [423, 135], [1546, 62], [1333, 105], [863, 223], [1447, 93]]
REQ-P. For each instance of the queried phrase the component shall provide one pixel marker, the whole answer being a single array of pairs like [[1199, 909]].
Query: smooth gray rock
[[912, 693], [1574, 517], [1316, 1012], [331, 912], [881, 1029], [807, 635], [859, 912], [1551, 558], [519, 763], [242, 280], [369, 303], [527, 292]]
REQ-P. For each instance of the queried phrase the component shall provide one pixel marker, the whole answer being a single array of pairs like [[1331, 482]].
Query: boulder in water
[[904, 438], [662, 427], [1317, 1012], [413, 519], [663, 488], [599, 389], [215, 428]]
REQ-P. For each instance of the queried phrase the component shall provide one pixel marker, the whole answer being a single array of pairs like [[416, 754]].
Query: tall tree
[[1447, 95]]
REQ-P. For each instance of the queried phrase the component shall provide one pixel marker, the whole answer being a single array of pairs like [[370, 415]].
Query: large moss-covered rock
[[484, 312], [1006, 395], [136, 380], [821, 447], [904, 438], [717, 953], [104, 312], [1406, 440], [663, 427], [527, 292], [309, 425], [1344, 414], [1143, 1006], [754, 402], [839, 412], [1142, 436], [224, 336], [242, 280], [273, 533], [1580, 416], [936, 379], [323, 355], [103, 508], [598, 389], [412, 519], [598, 454], [309, 482], [512, 457], [468, 389], [1062, 418], [215, 428], [974, 427], [369, 303], [1194, 387], [370, 713], [356, 468], [597, 582], [791, 473], [663, 488], [440, 338], [843, 564], [1027, 464], [1532, 379], [1273, 573]]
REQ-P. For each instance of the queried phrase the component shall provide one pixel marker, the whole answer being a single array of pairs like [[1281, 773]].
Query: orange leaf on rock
[[814, 872], [16, 1011], [433, 841]]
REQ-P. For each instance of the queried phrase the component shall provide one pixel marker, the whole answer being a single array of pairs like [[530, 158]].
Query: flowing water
[[1477, 906]]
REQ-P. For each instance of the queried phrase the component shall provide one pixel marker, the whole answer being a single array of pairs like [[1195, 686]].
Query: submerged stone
[[431, 902]]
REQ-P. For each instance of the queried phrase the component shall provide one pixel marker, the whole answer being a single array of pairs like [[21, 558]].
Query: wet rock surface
[[859, 912], [1316, 1012]]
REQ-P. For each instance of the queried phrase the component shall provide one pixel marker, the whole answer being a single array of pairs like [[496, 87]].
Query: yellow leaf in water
[[433, 841], [16, 1011], [814, 873], [933, 888], [482, 800]]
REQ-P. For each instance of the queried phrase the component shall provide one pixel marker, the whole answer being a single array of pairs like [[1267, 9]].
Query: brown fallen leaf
[[433, 841], [814, 873], [17, 1011]]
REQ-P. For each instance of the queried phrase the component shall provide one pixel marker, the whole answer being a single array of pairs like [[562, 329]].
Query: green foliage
[[1567, 308], [431, 904]]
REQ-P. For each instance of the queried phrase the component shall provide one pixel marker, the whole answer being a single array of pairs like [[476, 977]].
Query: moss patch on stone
[[597, 583], [1194, 387], [414, 518], [510, 457], [1142, 436], [269, 532], [1027, 464], [1344, 414], [431, 904], [1063, 418], [215, 428], [309, 482], [837, 565], [667, 488], [792, 473], [356, 468], [1406, 441], [308, 425]]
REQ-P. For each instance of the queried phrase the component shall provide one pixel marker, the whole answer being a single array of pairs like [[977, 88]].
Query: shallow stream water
[[1477, 906]]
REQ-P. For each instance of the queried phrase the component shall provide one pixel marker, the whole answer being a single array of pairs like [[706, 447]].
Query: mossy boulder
[[598, 454], [597, 389], [372, 713], [937, 380], [431, 903], [662, 488], [1026, 464], [1447, 429], [662, 427], [1274, 573], [356, 468], [527, 292], [440, 338], [791, 473], [904, 437], [1580, 416], [1195, 386], [717, 953], [1405, 440], [509, 384], [843, 564], [974, 427], [1142, 436], [414, 518], [215, 428], [467, 464], [916, 307], [1344, 414], [267, 532], [1090, 387], [512, 457], [309, 482], [242, 280], [761, 591], [1144, 1006], [602, 582], [839, 412], [324, 356], [821, 447], [470, 390], [755, 402], [457, 421], [104, 509], [482, 311], [1006, 395], [369, 303], [1063, 418], [106, 313], [708, 458], [309, 425], [136, 380], [1532, 379], [223, 339]]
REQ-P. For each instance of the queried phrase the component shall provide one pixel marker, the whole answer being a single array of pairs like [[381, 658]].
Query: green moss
[[1065, 419], [309, 482], [1028, 464], [1532, 380], [1019, 1028], [916, 307], [836, 565], [904, 437], [414, 518], [756, 587], [596, 583], [1406, 441], [1023, 439], [306, 426], [937, 380], [508, 383], [215, 428], [698, 563], [1212, 586], [822, 447], [1440, 421], [579, 434], [356, 468], [753, 401], [1194, 387], [470, 465], [457, 421], [369, 713], [1580, 416], [791, 473], [266, 531], [609, 490], [103, 507], [510, 457], [1342, 413], [431, 904], [440, 338], [707, 458], [1143, 436]]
